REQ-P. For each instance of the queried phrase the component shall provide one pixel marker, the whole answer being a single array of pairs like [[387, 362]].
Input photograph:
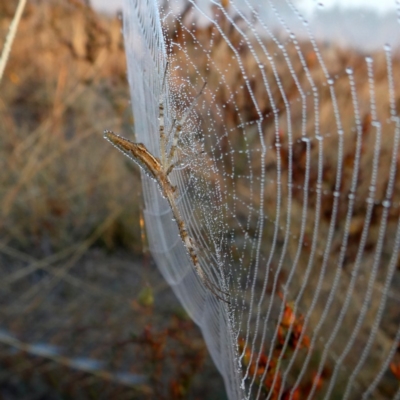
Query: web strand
[[287, 187]]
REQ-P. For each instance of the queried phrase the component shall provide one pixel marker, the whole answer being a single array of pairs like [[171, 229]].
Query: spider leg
[[191, 247], [174, 145], [212, 287], [189, 110], [162, 134], [178, 129], [165, 75], [216, 294], [161, 118], [170, 168], [204, 277]]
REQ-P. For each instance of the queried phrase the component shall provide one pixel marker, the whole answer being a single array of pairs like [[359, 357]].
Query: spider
[[159, 170]]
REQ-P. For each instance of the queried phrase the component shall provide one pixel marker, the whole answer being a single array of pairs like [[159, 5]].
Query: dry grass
[[63, 190], [64, 84], [66, 200]]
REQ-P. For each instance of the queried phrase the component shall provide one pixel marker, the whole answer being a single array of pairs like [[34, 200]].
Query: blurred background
[[84, 312]]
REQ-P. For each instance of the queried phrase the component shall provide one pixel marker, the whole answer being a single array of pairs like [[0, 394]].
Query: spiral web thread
[[286, 177]]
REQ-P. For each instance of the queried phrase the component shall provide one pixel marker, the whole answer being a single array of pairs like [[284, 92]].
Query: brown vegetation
[[239, 70], [62, 190], [64, 84], [67, 203]]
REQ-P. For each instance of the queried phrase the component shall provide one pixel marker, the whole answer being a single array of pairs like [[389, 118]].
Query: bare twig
[[10, 37]]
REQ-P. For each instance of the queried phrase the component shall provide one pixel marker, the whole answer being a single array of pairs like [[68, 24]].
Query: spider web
[[286, 176]]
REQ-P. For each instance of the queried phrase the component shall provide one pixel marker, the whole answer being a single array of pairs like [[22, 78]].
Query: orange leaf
[[395, 368]]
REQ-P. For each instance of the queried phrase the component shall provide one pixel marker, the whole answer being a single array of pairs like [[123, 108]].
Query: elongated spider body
[[139, 154], [159, 170]]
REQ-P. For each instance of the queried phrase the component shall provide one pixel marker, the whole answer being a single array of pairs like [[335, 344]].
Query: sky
[[381, 6], [107, 5], [308, 6], [366, 25]]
